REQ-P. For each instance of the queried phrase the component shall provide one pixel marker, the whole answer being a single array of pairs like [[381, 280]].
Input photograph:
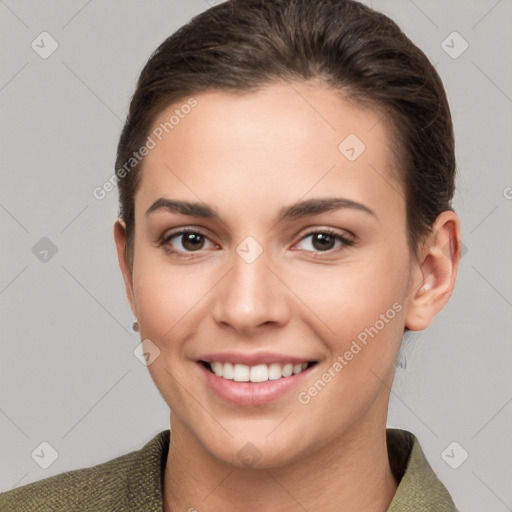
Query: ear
[[433, 277], [126, 270]]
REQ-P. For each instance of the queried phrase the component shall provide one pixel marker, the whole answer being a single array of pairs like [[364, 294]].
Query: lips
[[253, 379]]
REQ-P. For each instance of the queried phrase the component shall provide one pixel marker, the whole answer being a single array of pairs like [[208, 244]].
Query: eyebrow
[[294, 211]]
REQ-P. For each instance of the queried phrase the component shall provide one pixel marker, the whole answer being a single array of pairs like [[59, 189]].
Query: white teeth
[[274, 371], [241, 373], [217, 368], [287, 370], [228, 371], [258, 373]]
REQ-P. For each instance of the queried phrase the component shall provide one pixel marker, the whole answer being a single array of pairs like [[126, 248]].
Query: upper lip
[[252, 359]]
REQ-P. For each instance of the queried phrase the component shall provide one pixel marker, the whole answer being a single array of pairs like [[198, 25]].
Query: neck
[[350, 474]]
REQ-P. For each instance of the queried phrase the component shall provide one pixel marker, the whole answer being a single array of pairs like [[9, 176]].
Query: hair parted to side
[[240, 46]]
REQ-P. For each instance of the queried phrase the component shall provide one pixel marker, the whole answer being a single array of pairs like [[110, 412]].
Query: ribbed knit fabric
[[130, 483], [419, 489], [133, 483]]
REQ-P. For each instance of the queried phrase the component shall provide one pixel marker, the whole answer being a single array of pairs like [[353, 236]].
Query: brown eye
[[192, 241], [323, 241], [185, 242]]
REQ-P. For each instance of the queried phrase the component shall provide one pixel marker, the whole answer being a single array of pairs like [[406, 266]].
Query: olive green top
[[133, 482]]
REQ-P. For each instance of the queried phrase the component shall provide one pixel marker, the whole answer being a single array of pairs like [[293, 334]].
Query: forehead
[[298, 138]]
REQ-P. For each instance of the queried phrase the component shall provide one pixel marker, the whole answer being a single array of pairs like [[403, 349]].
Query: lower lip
[[252, 393]]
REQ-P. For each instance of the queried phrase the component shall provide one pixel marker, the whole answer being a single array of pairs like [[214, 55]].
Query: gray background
[[68, 373]]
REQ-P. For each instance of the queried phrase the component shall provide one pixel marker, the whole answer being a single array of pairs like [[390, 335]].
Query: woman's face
[[275, 272]]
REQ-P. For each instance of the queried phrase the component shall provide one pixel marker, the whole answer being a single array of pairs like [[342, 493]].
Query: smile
[[256, 378], [258, 373]]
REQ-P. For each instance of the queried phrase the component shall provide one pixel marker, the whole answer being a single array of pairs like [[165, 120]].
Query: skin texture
[[248, 156]]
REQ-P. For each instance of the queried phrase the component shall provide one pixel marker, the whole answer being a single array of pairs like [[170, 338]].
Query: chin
[[252, 447], [249, 455]]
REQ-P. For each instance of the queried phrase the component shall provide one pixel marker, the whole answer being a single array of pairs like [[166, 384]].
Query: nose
[[251, 296]]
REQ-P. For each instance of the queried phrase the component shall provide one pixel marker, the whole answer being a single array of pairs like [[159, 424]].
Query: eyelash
[[164, 241]]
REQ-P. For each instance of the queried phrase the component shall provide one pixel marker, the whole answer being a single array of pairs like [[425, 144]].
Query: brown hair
[[242, 45]]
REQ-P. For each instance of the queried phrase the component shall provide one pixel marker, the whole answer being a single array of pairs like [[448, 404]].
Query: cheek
[[362, 321], [166, 296], [361, 309], [151, 284], [349, 298]]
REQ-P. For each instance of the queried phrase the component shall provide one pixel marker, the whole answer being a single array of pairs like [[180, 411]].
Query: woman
[[285, 175]]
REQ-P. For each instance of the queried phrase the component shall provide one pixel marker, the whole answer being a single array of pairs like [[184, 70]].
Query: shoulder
[[419, 489], [128, 482]]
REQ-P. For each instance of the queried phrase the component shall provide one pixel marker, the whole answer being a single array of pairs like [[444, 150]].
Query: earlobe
[[120, 240], [436, 272]]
